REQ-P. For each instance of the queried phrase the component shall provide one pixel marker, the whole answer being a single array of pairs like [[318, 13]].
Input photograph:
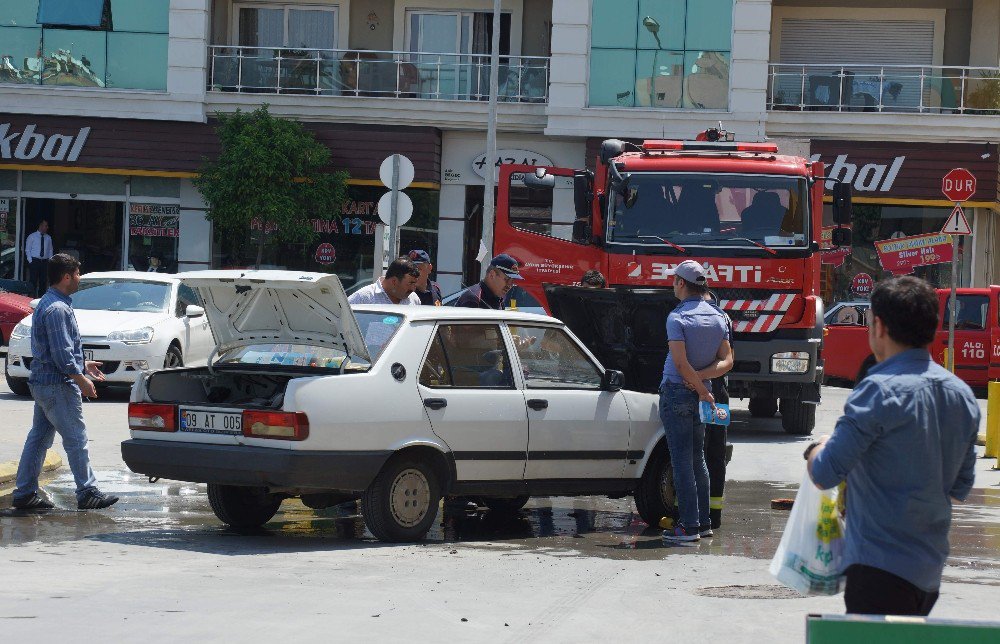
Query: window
[[92, 43], [972, 311], [186, 297], [288, 26], [661, 53], [470, 356], [551, 360], [134, 296]]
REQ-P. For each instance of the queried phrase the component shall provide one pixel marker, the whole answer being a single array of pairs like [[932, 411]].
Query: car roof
[[415, 313], [166, 278]]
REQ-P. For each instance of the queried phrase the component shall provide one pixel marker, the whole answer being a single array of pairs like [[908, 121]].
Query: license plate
[[211, 421], [88, 354]]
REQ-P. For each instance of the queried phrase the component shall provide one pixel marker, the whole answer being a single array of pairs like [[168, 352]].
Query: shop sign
[[508, 157], [862, 284], [828, 254], [154, 220], [326, 254], [29, 144], [901, 256]]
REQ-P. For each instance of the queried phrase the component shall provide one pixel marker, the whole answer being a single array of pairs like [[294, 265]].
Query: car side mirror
[[842, 203], [841, 237], [194, 311], [612, 380]]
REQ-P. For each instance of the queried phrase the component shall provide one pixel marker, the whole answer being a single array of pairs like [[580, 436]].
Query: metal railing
[[884, 88], [393, 74]]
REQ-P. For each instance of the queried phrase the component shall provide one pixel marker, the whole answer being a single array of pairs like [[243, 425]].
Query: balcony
[[887, 88], [375, 74]]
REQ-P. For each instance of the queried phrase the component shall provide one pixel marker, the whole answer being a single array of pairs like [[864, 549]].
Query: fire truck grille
[[746, 293]]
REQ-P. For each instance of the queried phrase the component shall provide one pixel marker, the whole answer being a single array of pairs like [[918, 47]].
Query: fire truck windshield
[[718, 210]]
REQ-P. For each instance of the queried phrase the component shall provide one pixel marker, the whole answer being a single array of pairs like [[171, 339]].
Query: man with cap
[[490, 292], [699, 350], [429, 292]]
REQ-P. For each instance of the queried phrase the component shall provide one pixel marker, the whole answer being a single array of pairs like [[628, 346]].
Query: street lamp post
[[653, 26], [489, 198]]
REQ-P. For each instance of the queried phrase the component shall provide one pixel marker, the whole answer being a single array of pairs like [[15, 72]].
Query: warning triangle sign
[[957, 224]]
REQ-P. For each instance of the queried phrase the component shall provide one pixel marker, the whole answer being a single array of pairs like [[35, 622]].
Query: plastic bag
[[810, 556]]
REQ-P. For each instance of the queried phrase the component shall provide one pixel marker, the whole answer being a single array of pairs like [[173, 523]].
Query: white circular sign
[[404, 208], [406, 172], [508, 157]]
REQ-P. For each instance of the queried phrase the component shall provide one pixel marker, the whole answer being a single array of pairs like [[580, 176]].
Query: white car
[[131, 322], [395, 405]]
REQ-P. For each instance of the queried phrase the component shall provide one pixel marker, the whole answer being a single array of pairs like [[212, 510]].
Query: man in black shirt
[[429, 292], [490, 292]]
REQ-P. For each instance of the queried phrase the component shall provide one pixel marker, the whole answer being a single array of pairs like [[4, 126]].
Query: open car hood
[[626, 328], [280, 307]]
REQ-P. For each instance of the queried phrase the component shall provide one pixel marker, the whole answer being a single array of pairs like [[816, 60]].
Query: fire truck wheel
[[654, 496], [763, 407], [797, 418]]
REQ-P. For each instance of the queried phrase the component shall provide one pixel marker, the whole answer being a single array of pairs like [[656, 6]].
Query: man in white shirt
[[38, 251], [397, 286]]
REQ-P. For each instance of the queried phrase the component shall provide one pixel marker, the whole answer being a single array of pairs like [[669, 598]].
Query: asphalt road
[[160, 567]]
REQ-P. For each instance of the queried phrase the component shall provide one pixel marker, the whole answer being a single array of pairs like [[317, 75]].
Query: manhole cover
[[757, 591]]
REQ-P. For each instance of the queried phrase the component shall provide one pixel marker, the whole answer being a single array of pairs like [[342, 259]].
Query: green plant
[[270, 172], [985, 95]]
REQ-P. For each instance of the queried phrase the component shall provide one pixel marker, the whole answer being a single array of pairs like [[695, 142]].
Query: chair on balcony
[[829, 92], [371, 73]]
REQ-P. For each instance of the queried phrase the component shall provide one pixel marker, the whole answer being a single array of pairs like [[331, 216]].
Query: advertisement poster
[[901, 256], [154, 220], [829, 254], [862, 284]]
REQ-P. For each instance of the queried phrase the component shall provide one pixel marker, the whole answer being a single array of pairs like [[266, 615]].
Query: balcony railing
[[884, 88], [391, 74]]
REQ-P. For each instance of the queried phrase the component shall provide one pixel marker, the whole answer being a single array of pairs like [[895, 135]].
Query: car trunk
[[226, 387]]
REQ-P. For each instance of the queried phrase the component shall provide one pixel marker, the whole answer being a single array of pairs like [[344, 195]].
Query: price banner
[[901, 256]]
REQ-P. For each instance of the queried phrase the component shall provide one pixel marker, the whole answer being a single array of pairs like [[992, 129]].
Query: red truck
[[750, 215], [977, 338]]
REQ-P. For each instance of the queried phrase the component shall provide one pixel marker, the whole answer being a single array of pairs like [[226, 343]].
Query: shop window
[[73, 183], [8, 236], [155, 187], [154, 230], [661, 53]]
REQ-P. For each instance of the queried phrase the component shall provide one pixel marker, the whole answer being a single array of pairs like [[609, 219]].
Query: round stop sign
[[959, 185], [862, 284]]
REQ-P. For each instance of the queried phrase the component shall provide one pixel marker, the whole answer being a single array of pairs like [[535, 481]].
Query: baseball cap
[[419, 256], [507, 265], [691, 271]]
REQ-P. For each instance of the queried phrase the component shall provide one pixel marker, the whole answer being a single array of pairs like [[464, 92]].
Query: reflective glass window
[[18, 13], [19, 61], [141, 16], [137, 61], [73, 13]]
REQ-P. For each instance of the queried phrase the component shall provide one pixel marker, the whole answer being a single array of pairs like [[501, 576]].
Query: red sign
[[862, 284], [901, 256], [959, 185], [326, 254]]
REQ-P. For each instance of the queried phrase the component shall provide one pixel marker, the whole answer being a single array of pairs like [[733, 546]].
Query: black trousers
[[715, 455], [873, 591], [38, 274]]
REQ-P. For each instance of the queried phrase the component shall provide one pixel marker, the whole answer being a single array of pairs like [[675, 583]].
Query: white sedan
[[129, 321], [395, 405]]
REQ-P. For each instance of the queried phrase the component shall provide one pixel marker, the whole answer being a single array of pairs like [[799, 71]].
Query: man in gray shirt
[[397, 286], [906, 446]]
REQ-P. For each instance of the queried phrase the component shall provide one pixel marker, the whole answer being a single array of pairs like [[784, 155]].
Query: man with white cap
[[699, 350]]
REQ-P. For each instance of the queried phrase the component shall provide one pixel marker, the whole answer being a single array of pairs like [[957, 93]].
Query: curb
[[8, 470]]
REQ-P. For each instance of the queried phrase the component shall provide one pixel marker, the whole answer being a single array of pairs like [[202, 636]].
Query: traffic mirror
[[842, 203]]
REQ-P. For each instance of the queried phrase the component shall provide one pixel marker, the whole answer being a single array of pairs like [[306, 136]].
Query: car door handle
[[435, 403], [538, 404]]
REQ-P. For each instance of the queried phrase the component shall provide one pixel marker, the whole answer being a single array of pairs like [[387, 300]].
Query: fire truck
[[752, 217]]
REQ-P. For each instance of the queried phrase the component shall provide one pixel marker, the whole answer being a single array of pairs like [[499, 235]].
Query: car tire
[[173, 359], [242, 507], [763, 407], [402, 501], [505, 505], [797, 418], [863, 371], [654, 497], [17, 386]]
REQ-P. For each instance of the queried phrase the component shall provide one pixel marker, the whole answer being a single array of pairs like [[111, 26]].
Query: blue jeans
[[58, 408], [686, 443]]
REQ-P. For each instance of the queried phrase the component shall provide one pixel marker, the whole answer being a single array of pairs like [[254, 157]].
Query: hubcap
[[667, 486], [410, 498]]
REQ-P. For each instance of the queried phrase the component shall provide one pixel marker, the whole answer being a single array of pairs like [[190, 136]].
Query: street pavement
[[159, 566]]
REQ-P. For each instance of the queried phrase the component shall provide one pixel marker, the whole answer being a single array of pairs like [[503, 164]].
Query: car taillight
[[152, 418], [280, 425]]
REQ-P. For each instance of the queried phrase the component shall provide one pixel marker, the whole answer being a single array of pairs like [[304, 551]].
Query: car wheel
[[242, 507], [505, 505], [654, 497], [797, 418], [763, 407], [174, 358], [17, 386], [402, 501]]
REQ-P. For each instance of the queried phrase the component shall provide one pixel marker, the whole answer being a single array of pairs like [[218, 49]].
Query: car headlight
[[790, 362], [21, 330], [137, 336]]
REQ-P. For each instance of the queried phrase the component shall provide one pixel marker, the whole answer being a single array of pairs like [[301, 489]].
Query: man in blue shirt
[[906, 446], [699, 350], [491, 291], [58, 379]]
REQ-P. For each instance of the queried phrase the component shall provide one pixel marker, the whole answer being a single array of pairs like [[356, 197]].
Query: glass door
[[442, 45], [8, 238]]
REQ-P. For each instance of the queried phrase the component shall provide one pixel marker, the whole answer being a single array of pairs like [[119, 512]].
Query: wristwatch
[[813, 445]]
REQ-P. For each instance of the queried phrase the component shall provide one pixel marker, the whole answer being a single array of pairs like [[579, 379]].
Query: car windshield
[[111, 294], [709, 210], [376, 328]]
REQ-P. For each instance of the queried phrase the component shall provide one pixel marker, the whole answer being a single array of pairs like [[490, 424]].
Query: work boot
[[94, 499], [33, 502]]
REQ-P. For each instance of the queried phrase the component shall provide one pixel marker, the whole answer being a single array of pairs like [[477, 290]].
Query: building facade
[[106, 113]]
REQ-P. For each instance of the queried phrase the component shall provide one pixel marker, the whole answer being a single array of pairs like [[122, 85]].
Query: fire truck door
[[973, 344], [993, 323]]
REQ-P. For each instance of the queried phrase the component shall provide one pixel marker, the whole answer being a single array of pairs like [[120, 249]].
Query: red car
[[977, 338], [13, 309]]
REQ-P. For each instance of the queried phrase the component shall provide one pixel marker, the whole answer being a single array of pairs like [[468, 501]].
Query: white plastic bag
[[810, 555]]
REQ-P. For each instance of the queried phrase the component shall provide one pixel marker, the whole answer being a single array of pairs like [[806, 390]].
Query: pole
[[952, 302], [489, 199], [393, 228]]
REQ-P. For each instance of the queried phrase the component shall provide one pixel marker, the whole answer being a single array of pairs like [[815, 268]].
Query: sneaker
[[94, 499], [681, 534], [705, 531], [33, 502]]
